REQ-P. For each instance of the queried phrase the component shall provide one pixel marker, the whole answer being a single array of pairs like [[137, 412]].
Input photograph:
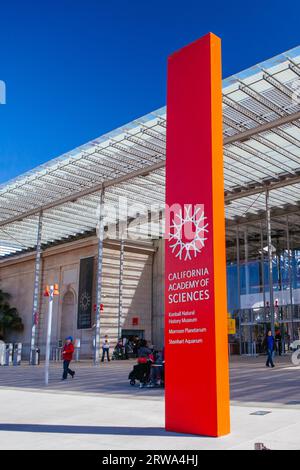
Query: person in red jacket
[[67, 353]]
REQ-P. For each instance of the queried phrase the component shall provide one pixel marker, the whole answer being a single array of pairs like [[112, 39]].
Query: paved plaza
[[100, 410]]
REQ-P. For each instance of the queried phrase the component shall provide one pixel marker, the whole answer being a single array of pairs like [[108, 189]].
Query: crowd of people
[[128, 348], [149, 370]]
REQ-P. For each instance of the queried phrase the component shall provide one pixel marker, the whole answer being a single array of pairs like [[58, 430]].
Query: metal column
[[269, 243], [120, 310], [290, 273], [99, 279], [239, 284], [247, 285], [36, 289], [262, 261], [247, 280]]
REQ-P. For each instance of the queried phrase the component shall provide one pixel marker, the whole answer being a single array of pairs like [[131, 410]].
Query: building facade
[[141, 293]]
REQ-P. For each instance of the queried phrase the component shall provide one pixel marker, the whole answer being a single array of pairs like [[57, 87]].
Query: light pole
[[50, 292]]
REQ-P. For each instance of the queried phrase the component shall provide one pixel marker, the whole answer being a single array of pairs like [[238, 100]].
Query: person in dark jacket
[[67, 354], [156, 372], [278, 342], [145, 353], [144, 350], [270, 346]]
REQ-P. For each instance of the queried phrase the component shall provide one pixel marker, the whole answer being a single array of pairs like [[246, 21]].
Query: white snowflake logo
[[85, 301], [186, 248]]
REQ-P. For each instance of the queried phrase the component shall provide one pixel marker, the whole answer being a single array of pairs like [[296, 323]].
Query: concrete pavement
[[99, 410]]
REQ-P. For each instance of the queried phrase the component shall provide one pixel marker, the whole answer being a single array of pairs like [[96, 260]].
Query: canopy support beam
[[99, 279], [36, 290], [121, 278], [269, 241]]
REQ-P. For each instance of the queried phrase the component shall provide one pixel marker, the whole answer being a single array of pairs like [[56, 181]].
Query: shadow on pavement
[[101, 430]]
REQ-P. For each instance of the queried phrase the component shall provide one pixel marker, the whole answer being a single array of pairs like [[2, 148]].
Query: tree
[[9, 316]]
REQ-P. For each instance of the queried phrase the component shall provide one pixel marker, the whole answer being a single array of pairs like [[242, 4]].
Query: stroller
[[141, 373]]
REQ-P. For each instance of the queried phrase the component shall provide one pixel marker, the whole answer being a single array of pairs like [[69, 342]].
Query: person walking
[[67, 353], [270, 346], [105, 349]]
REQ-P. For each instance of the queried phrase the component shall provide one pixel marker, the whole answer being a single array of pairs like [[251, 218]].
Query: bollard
[[77, 349], [2, 353], [17, 354], [56, 354], [59, 354], [9, 354], [36, 357], [77, 352]]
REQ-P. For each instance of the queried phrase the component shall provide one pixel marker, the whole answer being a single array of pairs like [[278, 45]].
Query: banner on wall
[[85, 293], [196, 327]]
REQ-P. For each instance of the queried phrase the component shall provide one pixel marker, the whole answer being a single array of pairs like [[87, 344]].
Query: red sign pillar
[[196, 352]]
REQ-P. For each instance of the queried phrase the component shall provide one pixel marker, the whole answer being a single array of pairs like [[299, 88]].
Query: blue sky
[[75, 69]]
